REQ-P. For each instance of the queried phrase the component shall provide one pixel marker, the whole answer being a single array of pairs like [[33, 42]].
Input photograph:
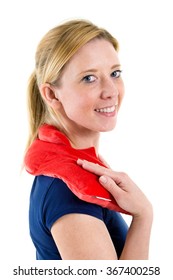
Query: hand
[[123, 189]]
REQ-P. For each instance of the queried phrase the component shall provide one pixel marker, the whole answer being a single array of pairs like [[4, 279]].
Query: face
[[91, 88]]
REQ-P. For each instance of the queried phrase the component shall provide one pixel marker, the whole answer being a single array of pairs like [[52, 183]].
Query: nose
[[109, 88]]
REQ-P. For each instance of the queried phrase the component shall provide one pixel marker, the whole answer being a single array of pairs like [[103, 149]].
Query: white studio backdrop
[[141, 144]]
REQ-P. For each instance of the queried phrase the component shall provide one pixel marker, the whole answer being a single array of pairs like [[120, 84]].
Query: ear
[[48, 93]]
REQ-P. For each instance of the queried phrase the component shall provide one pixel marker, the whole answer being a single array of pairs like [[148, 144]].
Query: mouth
[[110, 109]]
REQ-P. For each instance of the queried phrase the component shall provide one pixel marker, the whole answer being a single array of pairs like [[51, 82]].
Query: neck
[[83, 140], [79, 137]]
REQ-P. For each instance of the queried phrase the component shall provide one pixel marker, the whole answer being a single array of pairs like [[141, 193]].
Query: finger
[[100, 170], [93, 167], [110, 185]]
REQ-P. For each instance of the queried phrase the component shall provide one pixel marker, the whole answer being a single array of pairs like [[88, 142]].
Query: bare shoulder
[[82, 237]]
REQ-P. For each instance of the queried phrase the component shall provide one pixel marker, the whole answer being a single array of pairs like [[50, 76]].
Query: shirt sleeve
[[60, 200]]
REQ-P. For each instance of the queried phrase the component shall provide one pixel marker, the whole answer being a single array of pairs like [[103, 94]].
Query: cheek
[[73, 108], [77, 103], [82, 102], [121, 92]]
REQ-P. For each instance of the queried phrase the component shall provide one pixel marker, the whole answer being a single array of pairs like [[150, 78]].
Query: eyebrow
[[116, 66], [95, 70]]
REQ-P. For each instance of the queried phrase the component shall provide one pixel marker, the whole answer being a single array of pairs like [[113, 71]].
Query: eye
[[116, 73], [89, 79]]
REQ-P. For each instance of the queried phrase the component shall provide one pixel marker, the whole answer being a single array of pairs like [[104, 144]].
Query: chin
[[108, 128]]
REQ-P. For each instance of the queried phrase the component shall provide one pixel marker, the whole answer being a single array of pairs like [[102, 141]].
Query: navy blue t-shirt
[[50, 199]]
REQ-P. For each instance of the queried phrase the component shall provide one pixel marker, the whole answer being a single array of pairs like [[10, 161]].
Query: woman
[[75, 93]]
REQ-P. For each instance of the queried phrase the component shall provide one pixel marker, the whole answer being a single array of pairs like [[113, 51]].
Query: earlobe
[[49, 95]]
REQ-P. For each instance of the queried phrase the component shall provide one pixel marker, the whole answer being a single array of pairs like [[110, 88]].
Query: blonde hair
[[53, 52]]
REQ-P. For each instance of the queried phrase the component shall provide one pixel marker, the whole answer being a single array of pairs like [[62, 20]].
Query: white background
[[141, 144]]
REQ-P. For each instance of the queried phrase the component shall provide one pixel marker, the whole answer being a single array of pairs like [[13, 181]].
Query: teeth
[[106, 110]]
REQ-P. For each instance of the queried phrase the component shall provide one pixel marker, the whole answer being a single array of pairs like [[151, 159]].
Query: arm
[[137, 241], [82, 237], [131, 199]]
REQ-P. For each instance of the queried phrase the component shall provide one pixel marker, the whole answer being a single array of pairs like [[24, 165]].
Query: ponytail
[[36, 108]]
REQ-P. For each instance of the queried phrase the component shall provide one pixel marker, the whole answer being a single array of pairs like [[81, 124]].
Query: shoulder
[[56, 200]]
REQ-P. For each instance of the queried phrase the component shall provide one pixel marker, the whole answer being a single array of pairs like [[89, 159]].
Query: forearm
[[138, 238]]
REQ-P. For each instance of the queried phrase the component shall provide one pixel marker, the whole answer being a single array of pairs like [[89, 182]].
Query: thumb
[[110, 186]]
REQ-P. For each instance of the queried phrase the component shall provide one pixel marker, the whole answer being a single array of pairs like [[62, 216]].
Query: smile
[[106, 110]]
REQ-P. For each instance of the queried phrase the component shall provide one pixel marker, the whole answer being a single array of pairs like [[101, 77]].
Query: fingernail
[[79, 161], [103, 179]]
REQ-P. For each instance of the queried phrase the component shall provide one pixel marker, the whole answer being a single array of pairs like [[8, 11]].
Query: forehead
[[95, 44], [95, 52]]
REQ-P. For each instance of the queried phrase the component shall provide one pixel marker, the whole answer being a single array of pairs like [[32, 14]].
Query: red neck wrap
[[51, 154]]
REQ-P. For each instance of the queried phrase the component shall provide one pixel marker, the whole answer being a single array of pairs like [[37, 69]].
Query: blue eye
[[116, 73], [89, 79]]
